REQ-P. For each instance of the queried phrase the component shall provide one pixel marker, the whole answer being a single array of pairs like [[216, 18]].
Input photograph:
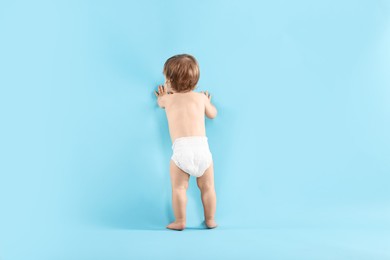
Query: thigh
[[179, 178], [207, 178]]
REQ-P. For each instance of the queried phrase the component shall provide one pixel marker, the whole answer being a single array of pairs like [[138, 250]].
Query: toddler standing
[[186, 111]]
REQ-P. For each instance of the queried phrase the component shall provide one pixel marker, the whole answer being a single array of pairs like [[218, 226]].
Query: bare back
[[186, 114]]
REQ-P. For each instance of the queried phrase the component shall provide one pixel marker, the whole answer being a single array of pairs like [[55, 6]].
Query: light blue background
[[301, 143]]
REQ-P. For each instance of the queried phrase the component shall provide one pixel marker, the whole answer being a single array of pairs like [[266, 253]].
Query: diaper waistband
[[190, 140]]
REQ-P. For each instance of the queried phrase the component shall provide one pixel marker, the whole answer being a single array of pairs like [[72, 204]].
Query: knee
[[180, 188], [205, 186]]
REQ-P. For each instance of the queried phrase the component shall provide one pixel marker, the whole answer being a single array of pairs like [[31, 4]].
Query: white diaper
[[192, 154]]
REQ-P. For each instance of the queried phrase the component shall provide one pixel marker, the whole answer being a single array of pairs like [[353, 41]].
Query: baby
[[186, 110]]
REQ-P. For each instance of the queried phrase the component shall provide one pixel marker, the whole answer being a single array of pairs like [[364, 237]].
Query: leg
[[209, 198], [179, 180]]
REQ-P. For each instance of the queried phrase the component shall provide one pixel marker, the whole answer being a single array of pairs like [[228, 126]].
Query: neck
[[174, 92]]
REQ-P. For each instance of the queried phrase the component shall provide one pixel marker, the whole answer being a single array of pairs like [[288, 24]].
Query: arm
[[210, 110], [161, 95]]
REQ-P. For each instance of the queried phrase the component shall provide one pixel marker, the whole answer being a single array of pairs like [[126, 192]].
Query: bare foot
[[177, 226], [211, 223]]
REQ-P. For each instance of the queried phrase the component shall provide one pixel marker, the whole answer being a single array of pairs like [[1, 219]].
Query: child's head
[[182, 72]]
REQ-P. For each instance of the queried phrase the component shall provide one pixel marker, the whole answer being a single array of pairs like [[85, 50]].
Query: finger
[[164, 89], [156, 93], [159, 89]]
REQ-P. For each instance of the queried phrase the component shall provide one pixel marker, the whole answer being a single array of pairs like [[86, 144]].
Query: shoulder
[[169, 97], [201, 96]]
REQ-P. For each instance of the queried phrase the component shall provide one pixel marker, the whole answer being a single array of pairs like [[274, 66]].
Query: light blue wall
[[302, 88]]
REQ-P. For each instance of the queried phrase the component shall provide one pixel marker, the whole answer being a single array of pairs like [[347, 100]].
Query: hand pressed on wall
[[161, 94]]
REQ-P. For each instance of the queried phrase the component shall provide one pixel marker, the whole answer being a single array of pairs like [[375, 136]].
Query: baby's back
[[186, 114]]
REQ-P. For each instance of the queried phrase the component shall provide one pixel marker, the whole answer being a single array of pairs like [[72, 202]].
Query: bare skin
[[186, 117]]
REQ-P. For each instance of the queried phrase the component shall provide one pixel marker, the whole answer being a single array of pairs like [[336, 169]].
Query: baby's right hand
[[211, 111], [208, 95]]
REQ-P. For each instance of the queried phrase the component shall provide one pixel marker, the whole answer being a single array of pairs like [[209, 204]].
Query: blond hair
[[182, 71]]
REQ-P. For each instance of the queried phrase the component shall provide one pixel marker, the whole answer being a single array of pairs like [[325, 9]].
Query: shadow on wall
[[126, 185]]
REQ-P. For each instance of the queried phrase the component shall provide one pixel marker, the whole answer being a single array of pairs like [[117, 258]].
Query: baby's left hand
[[162, 90]]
